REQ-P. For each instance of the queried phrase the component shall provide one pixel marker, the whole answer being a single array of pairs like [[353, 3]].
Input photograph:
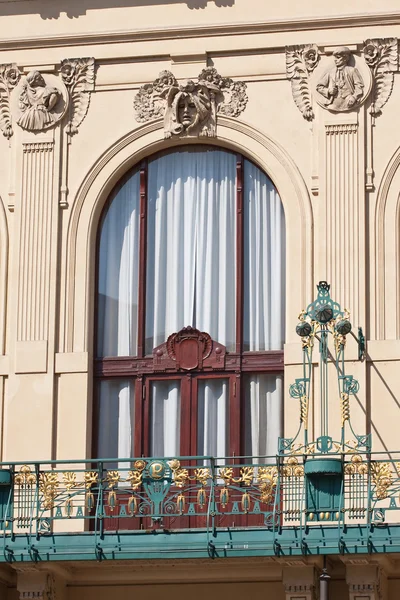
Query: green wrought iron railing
[[206, 492], [200, 506]]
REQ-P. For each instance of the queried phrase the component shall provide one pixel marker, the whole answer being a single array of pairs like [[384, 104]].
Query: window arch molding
[[385, 252], [80, 261]]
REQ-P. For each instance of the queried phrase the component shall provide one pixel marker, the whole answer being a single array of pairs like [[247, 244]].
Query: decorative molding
[[341, 128], [36, 585], [300, 582], [382, 57], [78, 75], [190, 108], [9, 78], [41, 101], [77, 322], [366, 582], [309, 23], [300, 63], [341, 88], [35, 246]]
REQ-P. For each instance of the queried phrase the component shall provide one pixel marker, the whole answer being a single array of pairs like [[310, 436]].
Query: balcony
[[200, 507]]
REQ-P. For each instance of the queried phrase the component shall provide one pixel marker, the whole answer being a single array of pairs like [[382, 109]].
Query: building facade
[[176, 178]]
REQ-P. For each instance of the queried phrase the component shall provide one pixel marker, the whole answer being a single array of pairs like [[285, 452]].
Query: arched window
[[190, 309]]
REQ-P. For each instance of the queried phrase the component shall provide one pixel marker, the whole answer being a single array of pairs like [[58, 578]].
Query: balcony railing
[[269, 505]]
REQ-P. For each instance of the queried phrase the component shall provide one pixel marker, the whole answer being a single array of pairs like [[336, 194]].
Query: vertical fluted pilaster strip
[[344, 220], [35, 259]]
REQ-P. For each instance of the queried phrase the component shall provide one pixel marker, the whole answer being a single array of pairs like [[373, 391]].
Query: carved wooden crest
[[189, 347], [187, 350]]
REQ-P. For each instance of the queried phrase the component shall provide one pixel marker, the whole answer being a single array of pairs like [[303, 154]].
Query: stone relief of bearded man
[[342, 86]]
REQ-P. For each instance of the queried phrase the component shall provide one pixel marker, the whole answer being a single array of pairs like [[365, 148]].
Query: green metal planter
[[324, 479]]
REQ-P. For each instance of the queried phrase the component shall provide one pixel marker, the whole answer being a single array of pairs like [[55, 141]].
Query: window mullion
[[239, 254], [142, 259]]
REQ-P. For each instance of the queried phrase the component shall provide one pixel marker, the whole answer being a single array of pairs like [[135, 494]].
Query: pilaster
[[300, 583], [366, 582], [41, 584]]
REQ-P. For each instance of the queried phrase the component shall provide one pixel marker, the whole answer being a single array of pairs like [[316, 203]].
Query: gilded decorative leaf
[[226, 474], [48, 485], [69, 479], [78, 74], [112, 478], [91, 477], [135, 479], [202, 475], [381, 478]]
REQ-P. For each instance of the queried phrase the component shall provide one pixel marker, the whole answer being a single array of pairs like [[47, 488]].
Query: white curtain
[[263, 414], [264, 306], [116, 419], [165, 418], [212, 415], [264, 263], [191, 256], [118, 273]]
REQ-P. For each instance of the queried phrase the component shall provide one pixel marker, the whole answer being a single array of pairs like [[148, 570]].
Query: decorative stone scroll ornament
[[381, 55], [300, 63], [190, 107], [9, 77], [41, 101], [341, 88], [78, 75]]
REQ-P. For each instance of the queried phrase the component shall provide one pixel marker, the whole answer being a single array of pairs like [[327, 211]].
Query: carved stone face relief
[[41, 101], [191, 107]]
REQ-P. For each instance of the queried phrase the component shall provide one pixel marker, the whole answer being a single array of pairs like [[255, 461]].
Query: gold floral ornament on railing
[[181, 478], [357, 466], [135, 478], [246, 478], [112, 478], [69, 479], [292, 468], [91, 478], [25, 476], [48, 485], [24, 495], [267, 477], [381, 475]]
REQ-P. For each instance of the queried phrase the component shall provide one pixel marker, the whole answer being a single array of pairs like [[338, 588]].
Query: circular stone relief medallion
[[39, 101]]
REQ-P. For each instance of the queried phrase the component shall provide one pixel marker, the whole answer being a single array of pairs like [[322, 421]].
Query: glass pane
[[165, 418], [213, 417], [263, 414], [191, 246], [116, 419], [118, 274], [264, 263]]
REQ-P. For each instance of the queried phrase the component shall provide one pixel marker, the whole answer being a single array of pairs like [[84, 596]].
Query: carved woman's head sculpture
[[35, 79], [189, 109]]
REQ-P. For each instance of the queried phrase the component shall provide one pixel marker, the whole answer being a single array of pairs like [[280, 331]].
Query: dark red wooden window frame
[[140, 368]]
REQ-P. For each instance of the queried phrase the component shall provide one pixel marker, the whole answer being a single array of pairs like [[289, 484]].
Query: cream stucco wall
[[347, 237]]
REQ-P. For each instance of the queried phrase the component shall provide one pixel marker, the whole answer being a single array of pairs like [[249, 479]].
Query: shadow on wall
[[77, 8]]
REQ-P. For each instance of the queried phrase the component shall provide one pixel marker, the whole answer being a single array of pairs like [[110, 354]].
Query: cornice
[[227, 29]]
